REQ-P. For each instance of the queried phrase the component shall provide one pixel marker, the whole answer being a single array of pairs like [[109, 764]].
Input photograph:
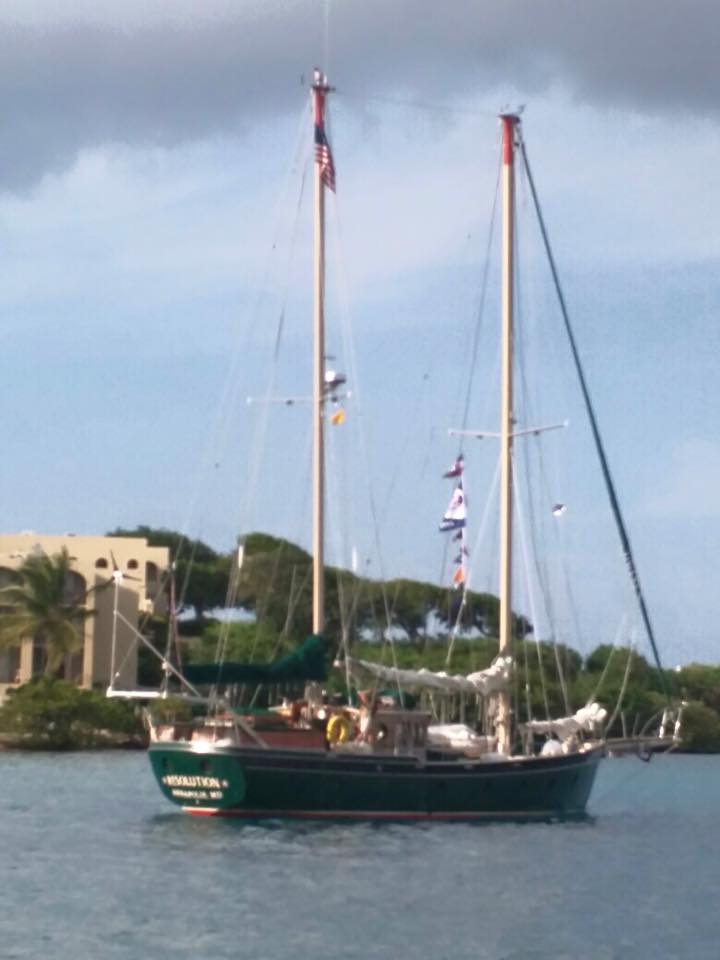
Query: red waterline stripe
[[370, 814]]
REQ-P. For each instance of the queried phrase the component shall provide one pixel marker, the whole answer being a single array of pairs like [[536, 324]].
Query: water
[[97, 866]]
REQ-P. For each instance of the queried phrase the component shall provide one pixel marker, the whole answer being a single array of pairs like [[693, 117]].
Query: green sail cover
[[305, 663]]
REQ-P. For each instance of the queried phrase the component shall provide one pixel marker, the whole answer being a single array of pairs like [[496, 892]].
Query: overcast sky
[[151, 164]]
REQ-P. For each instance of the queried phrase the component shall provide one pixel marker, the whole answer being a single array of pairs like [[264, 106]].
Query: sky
[[155, 229]]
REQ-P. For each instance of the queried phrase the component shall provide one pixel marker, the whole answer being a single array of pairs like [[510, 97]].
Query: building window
[[10, 665], [75, 589], [132, 564], [101, 563], [8, 577]]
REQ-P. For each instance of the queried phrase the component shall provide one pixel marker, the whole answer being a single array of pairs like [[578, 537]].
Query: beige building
[[138, 589]]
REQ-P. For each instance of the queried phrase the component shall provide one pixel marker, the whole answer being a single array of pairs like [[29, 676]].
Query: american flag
[[323, 157]]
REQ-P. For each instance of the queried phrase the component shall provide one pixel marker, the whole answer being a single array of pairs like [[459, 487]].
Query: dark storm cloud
[[71, 85]]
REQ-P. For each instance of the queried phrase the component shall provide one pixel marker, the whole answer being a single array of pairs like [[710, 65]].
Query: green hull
[[256, 782]]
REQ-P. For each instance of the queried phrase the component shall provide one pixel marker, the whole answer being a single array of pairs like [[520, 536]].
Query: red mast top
[[320, 88]]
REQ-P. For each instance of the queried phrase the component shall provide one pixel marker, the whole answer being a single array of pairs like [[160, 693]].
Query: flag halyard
[[455, 520]]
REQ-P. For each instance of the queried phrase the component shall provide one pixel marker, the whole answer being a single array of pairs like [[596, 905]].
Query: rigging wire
[[475, 551], [532, 410], [227, 402], [607, 476], [482, 301], [363, 435], [613, 648], [479, 313], [623, 687], [218, 437], [261, 427], [530, 592]]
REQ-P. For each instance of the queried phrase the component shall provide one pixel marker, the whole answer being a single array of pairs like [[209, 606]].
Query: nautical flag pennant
[[456, 470], [455, 516], [455, 519], [323, 157], [337, 418]]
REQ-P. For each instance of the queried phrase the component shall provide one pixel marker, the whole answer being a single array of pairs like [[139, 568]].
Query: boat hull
[[253, 782]]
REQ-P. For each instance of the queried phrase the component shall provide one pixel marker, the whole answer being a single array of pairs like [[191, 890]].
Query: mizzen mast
[[324, 177], [509, 123]]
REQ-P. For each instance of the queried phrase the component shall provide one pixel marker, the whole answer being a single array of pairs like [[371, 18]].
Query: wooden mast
[[320, 89], [503, 718]]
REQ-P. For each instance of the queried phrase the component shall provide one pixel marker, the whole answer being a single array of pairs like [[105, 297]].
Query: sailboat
[[381, 760]]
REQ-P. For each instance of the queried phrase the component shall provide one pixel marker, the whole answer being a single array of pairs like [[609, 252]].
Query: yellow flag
[[337, 418]]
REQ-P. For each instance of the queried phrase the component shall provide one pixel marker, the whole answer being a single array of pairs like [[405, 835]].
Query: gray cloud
[[67, 85]]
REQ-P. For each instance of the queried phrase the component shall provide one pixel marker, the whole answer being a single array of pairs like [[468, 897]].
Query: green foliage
[[171, 710], [43, 605], [700, 729], [699, 682], [597, 661], [241, 643], [56, 715], [411, 603], [202, 574], [275, 583]]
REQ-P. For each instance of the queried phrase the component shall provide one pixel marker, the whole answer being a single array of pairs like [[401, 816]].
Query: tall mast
[[320, 90], [509, 123]]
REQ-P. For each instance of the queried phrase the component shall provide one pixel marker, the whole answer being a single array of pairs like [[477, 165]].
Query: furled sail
[[589, 718], [483, 682]]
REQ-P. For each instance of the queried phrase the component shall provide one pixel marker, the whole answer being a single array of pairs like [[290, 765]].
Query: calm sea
[[96, 865]]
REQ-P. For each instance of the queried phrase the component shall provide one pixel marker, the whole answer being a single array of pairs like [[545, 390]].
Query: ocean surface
[[96, 865]]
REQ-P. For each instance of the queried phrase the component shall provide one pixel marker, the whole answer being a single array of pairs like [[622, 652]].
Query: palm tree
[[43, 605]]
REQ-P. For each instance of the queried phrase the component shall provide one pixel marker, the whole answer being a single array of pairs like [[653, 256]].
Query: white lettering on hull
[[184, 786], [191, 781]]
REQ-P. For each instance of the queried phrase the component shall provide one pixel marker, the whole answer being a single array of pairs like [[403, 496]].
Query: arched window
[[151, 580], [75, 588], [101, 563], [132, 564]]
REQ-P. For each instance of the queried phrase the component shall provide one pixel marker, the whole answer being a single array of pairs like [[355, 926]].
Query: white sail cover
[[589, 719], [484, 682], [459, 737]]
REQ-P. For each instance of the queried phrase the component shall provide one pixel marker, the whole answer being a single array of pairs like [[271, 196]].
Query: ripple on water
[[97, 865]]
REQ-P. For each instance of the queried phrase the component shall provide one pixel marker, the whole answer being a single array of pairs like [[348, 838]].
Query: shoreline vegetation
[[52, 714]]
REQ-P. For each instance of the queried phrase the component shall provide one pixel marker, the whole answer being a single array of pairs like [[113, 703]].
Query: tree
[[202, 574], [44, 605], [697, 681], [411, 605], [56, 715], [700, 729], [275, 583]]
